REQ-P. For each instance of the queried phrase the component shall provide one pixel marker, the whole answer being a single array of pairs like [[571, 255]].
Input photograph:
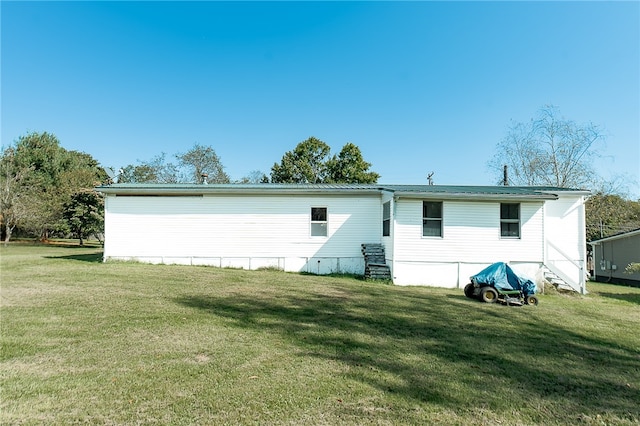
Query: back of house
[[432, 234]]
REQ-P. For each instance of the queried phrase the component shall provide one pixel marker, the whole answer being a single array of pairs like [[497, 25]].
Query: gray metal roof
[[258, 188], [402, 191], [621, 235], [481, 192]]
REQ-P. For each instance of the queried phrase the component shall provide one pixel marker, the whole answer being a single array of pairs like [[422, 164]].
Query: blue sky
[[419, 86]]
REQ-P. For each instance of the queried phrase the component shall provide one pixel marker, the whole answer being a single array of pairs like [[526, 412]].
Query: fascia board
[[615, 237], [475, 197], [230, 191]]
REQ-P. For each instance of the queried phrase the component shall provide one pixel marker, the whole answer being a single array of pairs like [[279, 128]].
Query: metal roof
[[621, 235], [401, 191], [258, 188], [481, 192]]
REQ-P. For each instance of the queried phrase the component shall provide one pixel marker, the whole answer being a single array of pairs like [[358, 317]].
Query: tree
[[13, 191], [191, 166], [609, 214], [156, 170], [136, 174], [632, 268], [202, 160], [84, 214], [255, 176], [309, 162], [305, 164], [349, 167], [38, 177], [549, 150]]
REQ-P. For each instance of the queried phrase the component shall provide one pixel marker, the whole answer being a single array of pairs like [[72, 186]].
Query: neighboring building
[[433, 234], [613, 254]]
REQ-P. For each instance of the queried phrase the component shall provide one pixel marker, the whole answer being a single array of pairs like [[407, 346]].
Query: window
[[431, 219], [318, 221], [510, 220], [386, 219]]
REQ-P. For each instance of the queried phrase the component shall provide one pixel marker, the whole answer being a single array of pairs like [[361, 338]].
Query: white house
[[433, 234]]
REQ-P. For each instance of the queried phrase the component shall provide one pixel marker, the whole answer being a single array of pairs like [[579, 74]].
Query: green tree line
[[46, 190], [42, 186], [309, 162]]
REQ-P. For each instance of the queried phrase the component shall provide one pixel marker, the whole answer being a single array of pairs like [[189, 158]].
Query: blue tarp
[[502, 277]]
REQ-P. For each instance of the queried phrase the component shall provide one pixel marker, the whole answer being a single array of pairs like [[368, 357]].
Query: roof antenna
[[505, 176], [430, 178]]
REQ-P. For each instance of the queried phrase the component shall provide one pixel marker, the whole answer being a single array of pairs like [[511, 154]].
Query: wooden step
[[375, 262]]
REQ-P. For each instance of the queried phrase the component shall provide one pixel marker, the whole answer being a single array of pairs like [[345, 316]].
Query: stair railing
[[578, 264]]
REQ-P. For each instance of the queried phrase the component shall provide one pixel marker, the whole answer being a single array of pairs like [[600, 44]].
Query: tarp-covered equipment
[[499, 282], [501, 276]]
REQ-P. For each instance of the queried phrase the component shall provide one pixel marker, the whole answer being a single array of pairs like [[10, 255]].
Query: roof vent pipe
[[505, 176], [204, 177]]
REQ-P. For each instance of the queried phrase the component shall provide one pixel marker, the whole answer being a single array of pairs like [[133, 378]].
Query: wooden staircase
[[375, 262]]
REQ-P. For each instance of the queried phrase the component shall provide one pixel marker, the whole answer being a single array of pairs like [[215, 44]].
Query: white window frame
[[511, 221], [319, 222], [386, 218], [433, 219]]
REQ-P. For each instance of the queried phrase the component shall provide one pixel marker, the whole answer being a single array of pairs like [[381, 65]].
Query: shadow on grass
[[626, 293], [55, 243], [627, 297], [85, 257], [428, 348]]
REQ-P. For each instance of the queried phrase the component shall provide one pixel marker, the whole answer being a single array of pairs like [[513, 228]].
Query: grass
[[126, 343]]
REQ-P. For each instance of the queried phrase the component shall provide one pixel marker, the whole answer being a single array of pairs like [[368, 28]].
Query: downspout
[[583, 248], [105, 244], [394, 200], [544, 234]]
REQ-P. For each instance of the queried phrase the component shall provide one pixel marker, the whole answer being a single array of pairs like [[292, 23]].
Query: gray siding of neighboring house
[[611, 257]]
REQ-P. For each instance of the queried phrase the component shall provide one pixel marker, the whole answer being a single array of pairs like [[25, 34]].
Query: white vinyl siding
[[565, 248], [472, 233], [242, 231], [254, 230]]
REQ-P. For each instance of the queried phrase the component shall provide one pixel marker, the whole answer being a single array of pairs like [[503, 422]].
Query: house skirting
[[436, 274], [617, 280], [454, 274], [313, 265]]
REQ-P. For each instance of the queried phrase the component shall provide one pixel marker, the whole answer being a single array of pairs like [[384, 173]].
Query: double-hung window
[[386, 219], [432, 218], [318, 221], [510, 220]]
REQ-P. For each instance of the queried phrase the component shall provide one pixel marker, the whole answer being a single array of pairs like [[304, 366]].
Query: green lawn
[[126, 343]]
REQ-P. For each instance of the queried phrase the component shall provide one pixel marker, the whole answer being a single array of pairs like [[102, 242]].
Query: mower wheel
[[468, 290], [532, 300], [489, 295]]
